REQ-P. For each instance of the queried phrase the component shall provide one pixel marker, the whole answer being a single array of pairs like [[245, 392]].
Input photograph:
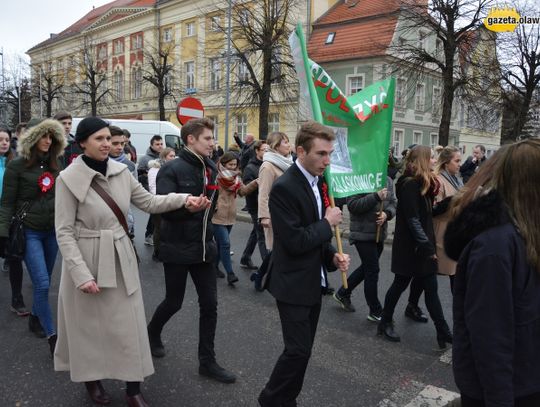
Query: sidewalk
[[243, 216]]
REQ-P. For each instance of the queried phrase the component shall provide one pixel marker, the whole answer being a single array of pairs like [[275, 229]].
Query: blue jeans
[[221, 233], [39, 257]]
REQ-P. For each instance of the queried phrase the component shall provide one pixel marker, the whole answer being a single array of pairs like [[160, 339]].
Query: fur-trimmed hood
[[485, 212], [32, 136]]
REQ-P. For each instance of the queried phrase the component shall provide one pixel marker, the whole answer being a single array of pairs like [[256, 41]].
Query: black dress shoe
[[386, 329], [52, 343], [216, 372], [444, 336], [35, 326], [156, 346], [97, 393], [136, 401], [231, 278], [415, 313], [248, 264]]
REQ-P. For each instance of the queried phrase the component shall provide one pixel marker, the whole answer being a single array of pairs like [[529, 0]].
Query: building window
[[167, 35], [244, 17], [433, 140], [436, 102], [417, 137], [397, 140], [243, 73], [452, 141], [277, 60], [118, 79], [215, 73], [189, 68], [215, 23], [215, 132], [330, 38], [419, 97], [355, 83], [438, 47], [136, 41], [102, 52], [273, 122], [136, 80], [241, 125], [118, 46], [401, 89], [190, 29], [167, 83], [422, 39]]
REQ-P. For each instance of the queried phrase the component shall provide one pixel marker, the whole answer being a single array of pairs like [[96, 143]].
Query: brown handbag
[[116, 210]]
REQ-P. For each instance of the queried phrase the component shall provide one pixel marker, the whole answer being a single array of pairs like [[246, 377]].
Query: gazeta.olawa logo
[[502, 19], [506, 19]]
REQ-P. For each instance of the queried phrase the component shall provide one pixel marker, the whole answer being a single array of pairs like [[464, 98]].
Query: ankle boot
[[136, 401], [386, 329], [156, 346], [415, 313], [35, 326], [97, 393], [444, 335], [52, 343]]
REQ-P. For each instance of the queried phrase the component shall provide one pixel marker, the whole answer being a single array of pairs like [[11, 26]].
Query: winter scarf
[[229, 180], [283, 163], [456, 182]]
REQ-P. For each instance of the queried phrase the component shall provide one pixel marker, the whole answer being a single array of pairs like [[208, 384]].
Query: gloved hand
[[3, 241]]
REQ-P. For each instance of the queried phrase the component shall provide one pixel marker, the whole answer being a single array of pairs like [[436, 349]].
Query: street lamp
[[2, 111], [228, 76]]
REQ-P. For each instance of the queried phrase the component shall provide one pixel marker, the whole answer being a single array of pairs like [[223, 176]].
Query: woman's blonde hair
[[165, 152], [445, 156], [275, 138], [418, 164]]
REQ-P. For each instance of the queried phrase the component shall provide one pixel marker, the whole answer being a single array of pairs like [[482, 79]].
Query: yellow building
[[119, 41]]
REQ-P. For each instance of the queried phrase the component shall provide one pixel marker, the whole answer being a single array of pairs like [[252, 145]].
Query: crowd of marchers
[[476, 222]]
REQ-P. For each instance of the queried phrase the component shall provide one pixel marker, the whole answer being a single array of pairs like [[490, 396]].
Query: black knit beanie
[[89, 126]]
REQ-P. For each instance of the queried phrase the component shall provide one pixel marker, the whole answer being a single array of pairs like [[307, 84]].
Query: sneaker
[[149, 241], [375, 316], [18, 307], [344, 301], [232, 253], [248, 264], [216, 372], [415, 313]]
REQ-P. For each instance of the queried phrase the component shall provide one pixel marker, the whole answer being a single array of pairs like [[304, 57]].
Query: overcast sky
[[25, 23]]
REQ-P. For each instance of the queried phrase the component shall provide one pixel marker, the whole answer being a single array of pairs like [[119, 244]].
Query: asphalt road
[[350, 365]]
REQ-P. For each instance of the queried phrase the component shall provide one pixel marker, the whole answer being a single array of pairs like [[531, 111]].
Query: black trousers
[[203, 276], [429, 285], [15, 278], [299, 325], [256, 237], [527, 401], [416, 290], [369, 253], [149, 227]]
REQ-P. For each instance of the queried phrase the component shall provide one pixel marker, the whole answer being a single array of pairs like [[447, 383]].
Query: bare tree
[[47, 85], [159, 71], [261, 71], [17, 89], [520, 74], [92, 87], [454, 24]]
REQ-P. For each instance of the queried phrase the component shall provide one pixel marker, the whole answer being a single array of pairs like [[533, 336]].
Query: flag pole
[[379, 227], [317, 115]]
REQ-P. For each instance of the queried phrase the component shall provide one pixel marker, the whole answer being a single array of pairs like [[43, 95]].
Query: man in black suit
[[301, 256]]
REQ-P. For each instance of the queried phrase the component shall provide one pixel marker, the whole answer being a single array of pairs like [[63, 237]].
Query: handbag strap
[[111, 203]]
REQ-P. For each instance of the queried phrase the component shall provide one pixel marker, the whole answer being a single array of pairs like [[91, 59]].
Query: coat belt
[[111, 240]]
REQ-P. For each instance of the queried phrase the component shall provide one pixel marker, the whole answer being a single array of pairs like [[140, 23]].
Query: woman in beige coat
[[230, 185], [101, 321], [450, 183], [275, 162]]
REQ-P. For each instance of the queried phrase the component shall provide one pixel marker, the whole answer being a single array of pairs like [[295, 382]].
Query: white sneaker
[[149, 241], [232, 253]]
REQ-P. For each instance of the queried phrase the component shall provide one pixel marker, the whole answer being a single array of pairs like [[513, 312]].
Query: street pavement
[[350, 366]]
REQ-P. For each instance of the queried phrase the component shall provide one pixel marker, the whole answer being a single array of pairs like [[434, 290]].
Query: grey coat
[[364, 208], [103, 335]]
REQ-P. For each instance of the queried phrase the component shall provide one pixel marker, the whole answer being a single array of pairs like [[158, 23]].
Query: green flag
[[362, 123]]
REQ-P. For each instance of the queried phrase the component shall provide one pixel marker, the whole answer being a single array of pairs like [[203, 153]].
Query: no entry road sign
[[189, 108]]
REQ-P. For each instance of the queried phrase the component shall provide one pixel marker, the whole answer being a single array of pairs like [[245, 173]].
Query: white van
[[143, 130]]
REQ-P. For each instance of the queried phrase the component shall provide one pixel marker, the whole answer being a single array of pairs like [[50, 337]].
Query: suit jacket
[[301, 241]]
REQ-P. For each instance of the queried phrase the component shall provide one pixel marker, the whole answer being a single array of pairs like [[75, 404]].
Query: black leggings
[[416, 290], [428, 284]]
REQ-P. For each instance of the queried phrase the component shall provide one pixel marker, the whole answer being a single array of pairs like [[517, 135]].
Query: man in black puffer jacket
[[187, 244]]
